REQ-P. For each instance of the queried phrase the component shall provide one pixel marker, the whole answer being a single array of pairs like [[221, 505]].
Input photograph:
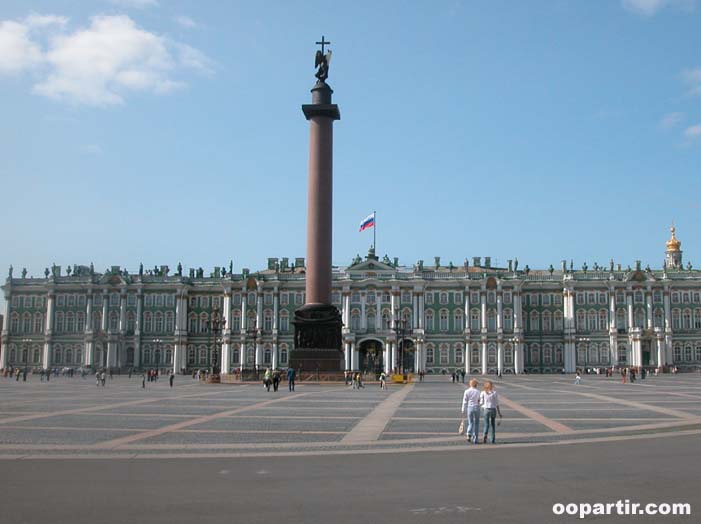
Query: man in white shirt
[[471, 408]]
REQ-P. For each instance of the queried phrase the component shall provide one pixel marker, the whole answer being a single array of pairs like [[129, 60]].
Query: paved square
[[71, 416]]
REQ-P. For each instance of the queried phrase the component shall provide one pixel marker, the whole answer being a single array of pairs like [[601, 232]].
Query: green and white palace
[[476, 317]]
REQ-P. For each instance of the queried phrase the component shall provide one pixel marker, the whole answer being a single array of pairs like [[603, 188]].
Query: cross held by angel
[[321, 61]]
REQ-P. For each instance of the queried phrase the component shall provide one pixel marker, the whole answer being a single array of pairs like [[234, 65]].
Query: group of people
[[476, 403], [274, 377]]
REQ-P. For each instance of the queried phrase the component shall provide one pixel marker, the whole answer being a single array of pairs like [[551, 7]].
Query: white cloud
[[692, 78], [651, 7], [185, 21], [18, 52], [670, 120], [136, 4], [99, 64], [692, 134]]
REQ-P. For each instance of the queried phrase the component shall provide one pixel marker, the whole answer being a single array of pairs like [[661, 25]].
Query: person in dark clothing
[[143, 380], [171, 378], [276, 379], [291, 374]]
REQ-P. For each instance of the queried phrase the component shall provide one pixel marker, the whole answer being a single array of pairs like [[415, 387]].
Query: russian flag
[[368, 222]]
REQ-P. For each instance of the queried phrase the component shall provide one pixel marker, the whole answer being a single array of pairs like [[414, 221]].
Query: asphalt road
[[486, 485]]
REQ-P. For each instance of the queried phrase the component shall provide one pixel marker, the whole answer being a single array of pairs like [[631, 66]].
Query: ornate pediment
[[371, 265]]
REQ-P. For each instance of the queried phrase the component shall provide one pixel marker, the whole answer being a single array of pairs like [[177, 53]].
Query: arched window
[[371, 320], [284, 321], [508, 354], [157, 356], [236, 320], [697, 318], [558, 320], [283, 354], [558, 354], [60, 323], [267, 356], [444, 355], [203, 355], [676, 319], [677, 352], [591, 320], [147, 356], [251, 320], [458, 320], [459, 356], [686, 319], [581, 354], [14, 323], [547, 354], [114, 321], [13, 355], [170, 322], [96, 320], [191, 355], [491, 354], [603, 320], [26, 323], [658, 318], [58, 354], [429, 355], [429, 320], [534, 321], [236, 355], [69, 355], [688, 351], [593, 354], [267, 320], [78, 356], [131, 321], [604, 353], [386, 322], [622, 354], [621, 320], [443, 319], [475, 354], [491, 320], [204, 319], [581, 321], [130, 356], [70, 322], [192, 323], [698, 352], [508, 320], [475, 320], [39, 323], [80, 322], [159, 321], [36, 357], [169, 355], [640, 318], [547, 321], [148, 322], [535, 354], [355, 320]]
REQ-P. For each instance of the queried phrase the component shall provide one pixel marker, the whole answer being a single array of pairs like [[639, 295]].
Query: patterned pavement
[[71, 417]]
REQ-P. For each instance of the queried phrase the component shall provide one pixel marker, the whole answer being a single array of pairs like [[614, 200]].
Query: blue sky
[[165, 131]]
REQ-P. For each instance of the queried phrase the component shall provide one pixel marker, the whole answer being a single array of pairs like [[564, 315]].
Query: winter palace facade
[[475, 317]]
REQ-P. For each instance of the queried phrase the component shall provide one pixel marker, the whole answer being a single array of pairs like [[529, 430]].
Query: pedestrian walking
[[97, 379], [143, 380], [276, 379], [171, 378], [383, 381], [471, 409], [291, 379], [577, 378], [359, 380], [489, 400]]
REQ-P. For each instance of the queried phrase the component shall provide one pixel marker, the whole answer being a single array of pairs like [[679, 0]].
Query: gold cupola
[[673, 244]]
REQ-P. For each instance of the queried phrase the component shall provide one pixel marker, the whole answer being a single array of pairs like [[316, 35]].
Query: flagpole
[[374, 233]]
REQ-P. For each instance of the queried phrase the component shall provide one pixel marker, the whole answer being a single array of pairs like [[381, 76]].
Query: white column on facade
[[667, 311], [88, 355], [105, 311], [49, 327], [648, 307], [518, 358], [415, 310], [244, 314], [394, 307], [612, 310], [354, 357], [259, 354], [483, 311], [46, 355], [276, 310], [518, 323], [500, 321], [500, 357], [225, 362], [661, 361], [421, 310], [275, 357], [346, 310], [259, 308], [138, 325], [4, 343], [123, 312], [467, 313], [629, 306], [88, 313], [363, 318]]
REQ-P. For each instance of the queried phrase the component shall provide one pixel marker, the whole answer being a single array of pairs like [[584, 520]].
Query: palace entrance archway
[[371, 356], [408, 355]]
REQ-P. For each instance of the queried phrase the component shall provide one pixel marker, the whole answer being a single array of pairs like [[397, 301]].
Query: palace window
[[507, 297], [685, 297], [236, 356], [547, 321], [371, 320], [355, 320], [131, 299], [604, 353], [457, 297], [114, 299], [131, 322], [657, 297], [159, 300], [686, 319], [236, 299], [675, 297], [621, 321], [443, 315], [284, 299], [283, 355], [546, 299], [39, 322], [640, 318], [508, 320], [591, 298], [36, 357], [406, 297], [534, 321], [148, 300], [658, 318], [429, 355], [591, 320], [159, 322], [370, 297], [581, 320], [508, 354], [443, 298], [236, 321], [558, 354], [284, 322], [335, 297], [299, 299], [622, 354], [204, 321], [386, 322], [580, 299], [558, 299], [204, 301], [191, 355], [60, 300], [547, 354], [491, 320], [475, 320], [603, 320], [458, 320], [60, 323], [58, 355], [193, 302], [638, 297], [697, 319], [267, 356], [558, 320], [70, 322], [444, 355], [267, 320], [170, 322], [677, 352], [429, 320], [216, 302], [268, 299], [192, 323], [475, 355], [602, 298], [459, 355], [620, 297], [148, 322], [429, 298], [26, 323], [676, 319], [355, 297], [475, 298], [491, 297]]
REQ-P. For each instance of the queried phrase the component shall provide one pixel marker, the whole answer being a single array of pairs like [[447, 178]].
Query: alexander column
[[318, 322]]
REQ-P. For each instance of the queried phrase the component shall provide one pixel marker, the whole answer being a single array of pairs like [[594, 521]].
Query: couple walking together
[[474, 399]]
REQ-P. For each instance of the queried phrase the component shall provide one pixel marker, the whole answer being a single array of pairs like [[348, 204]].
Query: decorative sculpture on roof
[[46, 272], [321, 62], [24, 272], [180, 269], [9, 272], [141, 269], [515, 264]]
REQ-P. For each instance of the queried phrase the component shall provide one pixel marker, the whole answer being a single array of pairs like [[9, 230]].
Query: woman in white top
[[489, 400]]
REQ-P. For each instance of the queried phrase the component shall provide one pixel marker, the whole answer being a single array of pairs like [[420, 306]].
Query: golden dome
[[673, 244]]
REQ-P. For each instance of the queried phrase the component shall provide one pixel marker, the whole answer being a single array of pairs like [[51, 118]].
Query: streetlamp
[[250, 331], [215, 326], [401, 330], [26, 342]]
